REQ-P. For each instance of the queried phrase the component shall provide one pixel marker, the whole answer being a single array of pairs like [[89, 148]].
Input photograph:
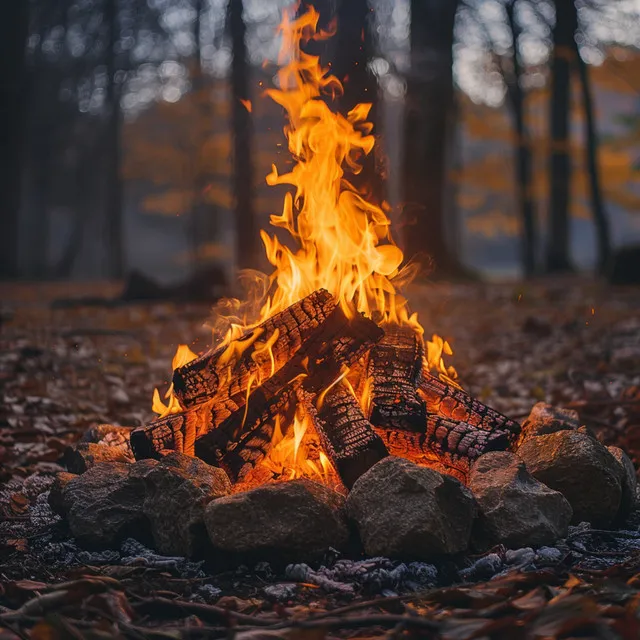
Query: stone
[[56, 492], [108, 434], [402, 510], [545, 418], [516, 510], [87, 454], [629, 482], [289, 520], [103, 506], [177, 491], [581, 469]]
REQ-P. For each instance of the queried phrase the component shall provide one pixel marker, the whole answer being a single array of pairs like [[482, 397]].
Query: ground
[[67, 365]]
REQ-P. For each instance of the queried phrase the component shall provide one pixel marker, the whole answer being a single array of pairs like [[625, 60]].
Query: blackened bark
[[246, 228], [599, 213], [114, 199], [429, 108], [523, 167], [558, 250], [14, 28]]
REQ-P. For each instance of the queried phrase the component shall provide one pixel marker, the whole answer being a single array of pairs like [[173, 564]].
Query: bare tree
[[13, 35], [114, 194], [429, 109], [516, 98], [598, 211], [242, 129], [562, 59]]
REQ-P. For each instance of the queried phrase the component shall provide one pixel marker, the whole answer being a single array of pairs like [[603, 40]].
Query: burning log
[[213, 372], [453, 444], [394, 368], [242, 440], [235, 431], [447, 401], [346, 435]]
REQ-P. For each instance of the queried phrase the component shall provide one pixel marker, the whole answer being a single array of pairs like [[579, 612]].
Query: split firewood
[[452, 444], [243, 439], [393, 370], [257, 354], [219, 429], [347, 437], [447, 401]]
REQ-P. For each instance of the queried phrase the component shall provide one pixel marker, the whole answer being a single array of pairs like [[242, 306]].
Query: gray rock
[[87, 454], [581, 469], [177, 491], [403, 510], [295, 519], [103, 506], [56, 492], [515, 509], [545, 419], [629, 482]]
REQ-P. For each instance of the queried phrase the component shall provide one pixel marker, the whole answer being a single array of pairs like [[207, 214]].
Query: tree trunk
[[558, 249], [246, 228], [428, 121], [114, 195], [600, 218], [353, 48], [14, 33], [523, 155]]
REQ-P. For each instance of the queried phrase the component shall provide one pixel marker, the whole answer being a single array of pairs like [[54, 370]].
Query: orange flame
[[341, 241]]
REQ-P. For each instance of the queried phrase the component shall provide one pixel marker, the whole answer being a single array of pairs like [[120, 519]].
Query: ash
[[374, 575]]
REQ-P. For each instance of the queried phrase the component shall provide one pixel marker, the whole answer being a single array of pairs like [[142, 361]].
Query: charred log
[[234, 432], [447, 401], [394, 367], [452, 444], [347, 437], [242, 440], [212, 373]]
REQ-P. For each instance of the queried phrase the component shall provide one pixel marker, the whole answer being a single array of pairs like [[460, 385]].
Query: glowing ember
[[340, 241]]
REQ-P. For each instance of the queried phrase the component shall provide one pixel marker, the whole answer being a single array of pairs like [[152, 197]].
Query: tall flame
[[342, 242]]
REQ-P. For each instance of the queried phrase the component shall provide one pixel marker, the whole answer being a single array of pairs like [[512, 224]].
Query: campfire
[[331, 374]]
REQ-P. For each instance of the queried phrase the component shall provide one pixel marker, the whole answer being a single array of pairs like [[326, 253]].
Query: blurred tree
[[562, 61], [516, 101], [429, 109], [600, 217], [13, 35], [352, 50], [114, 193], [242, 131]]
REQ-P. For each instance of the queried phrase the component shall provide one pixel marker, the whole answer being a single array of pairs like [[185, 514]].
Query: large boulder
[[294, 519], [581, 469], [403, 510], [516, 510], [629, 482], [545, 419], [103, 506], [177, 491]]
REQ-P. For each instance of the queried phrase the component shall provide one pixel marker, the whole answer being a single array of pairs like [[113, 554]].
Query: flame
[[336, 240]]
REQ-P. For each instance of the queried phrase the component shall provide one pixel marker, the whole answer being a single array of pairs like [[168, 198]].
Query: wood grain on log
[[453, 444], [447, 401], [234, 432], [242, 440], [394, 367], [214, 373], [347, 437]]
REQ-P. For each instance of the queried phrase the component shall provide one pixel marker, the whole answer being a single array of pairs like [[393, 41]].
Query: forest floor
[[63, 367]]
